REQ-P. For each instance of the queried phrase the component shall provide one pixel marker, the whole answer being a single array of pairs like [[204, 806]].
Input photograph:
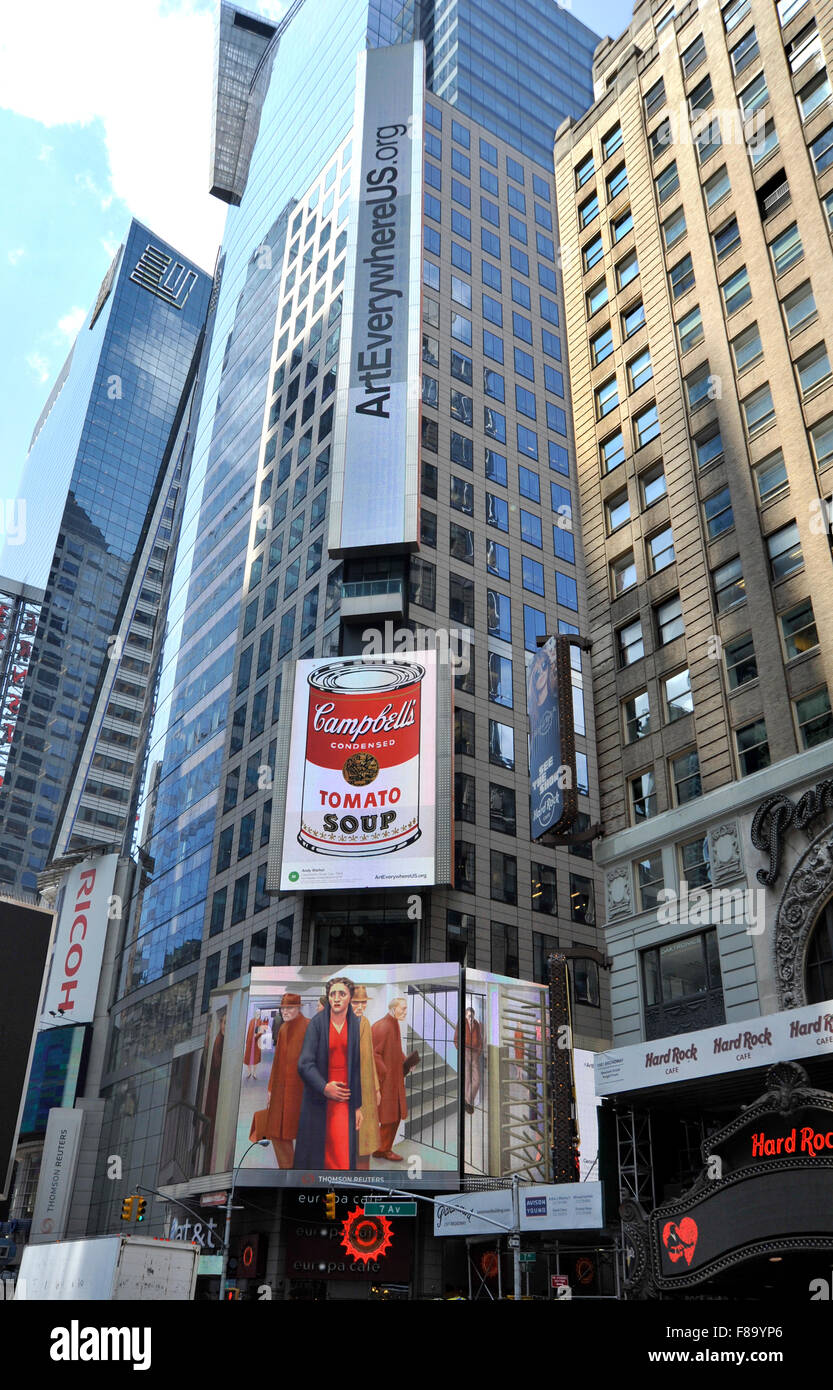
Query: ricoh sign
[[79, 940], [361, 805], [376, 428]]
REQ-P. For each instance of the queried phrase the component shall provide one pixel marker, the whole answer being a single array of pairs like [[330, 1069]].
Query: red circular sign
[[366, 1237]]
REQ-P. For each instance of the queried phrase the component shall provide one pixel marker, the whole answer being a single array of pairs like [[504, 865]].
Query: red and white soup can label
[[361, 793]]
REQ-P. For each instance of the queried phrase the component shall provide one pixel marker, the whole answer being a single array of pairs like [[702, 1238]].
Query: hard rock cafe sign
[[777, 814]]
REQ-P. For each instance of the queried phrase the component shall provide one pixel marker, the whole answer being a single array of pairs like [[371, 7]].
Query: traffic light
[[141, 1203], [330, 1206], [232, 1294], [127, 1209]]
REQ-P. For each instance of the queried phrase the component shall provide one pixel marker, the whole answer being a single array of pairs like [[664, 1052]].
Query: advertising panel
[[361, 804], [757, 1042], [57, 1174], [79, 939], [56, 1075], [376, 429], [505, 1091], [552, 772], [21, 992]]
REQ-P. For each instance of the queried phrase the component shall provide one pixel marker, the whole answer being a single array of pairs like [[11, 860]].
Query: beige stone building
[[695, 205]]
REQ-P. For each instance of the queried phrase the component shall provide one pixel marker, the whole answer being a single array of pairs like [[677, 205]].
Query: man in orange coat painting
[[392, 1067], [286, 1089]]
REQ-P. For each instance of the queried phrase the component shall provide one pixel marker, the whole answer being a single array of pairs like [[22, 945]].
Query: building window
[[505, 949], [799, 307], [627, 270], [822, 150], [744, 52], [786, 249], [747, 348], [239, 904], [640, 370], [654, 99], [649, 881], [636, 714], [464, 799], [582, 907], [763, 144], [632, 320], [798, 630], [595, 297], [464, 732], [612, 451], [464, 870], [502, 809], [461, 600], [729, 587], [685, 777], [504, 877], [758, 410], [717, 511], [617, 182], [585, 171], [623, 573], [606, 397], [652, 485], [646, 426], [460, 542], [588, 210], [667, 182], [754, 96], [500, 679], [601, 345], [669, 620], [543, 889], [813, 368], [501, 745], [741, 665], [771, 478], [460, 937], [726, 239], [498, 616], [708, 140], [660, 549], [708, 445], [698, 386], [679, 700], [592, 252], [822, 438], [681, 277], [675, 977], [673, 228], [497, 559], [717, 187], [690, 329], [617, 510], [736, 290], [752, 746], [784, 550], [621, 225], [629, 643], [814, 717], [643, 798]]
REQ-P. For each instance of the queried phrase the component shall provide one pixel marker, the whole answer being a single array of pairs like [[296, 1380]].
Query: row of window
[[257, 948], [504, 959]]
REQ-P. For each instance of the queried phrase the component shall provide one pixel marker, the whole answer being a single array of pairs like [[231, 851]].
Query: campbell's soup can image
[[361, 792]]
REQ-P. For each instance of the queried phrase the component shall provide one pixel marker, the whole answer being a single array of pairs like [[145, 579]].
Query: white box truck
[[110, 1269]]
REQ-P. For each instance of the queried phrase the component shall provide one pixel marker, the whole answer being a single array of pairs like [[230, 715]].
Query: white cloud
[[70, 325], [39, 365], [144, 69], [15, 255], [45, 152], [111, 244], [89, 185]]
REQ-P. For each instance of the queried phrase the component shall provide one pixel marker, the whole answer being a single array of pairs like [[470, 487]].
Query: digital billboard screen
[[25, 936], [361, 790]]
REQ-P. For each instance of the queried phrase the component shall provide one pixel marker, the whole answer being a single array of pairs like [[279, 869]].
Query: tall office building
[[695, 209], [255, 585], [96, 504]]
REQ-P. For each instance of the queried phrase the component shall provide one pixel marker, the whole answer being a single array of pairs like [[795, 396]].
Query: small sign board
[[213, 1199], [528, 1257], [390, 1208]]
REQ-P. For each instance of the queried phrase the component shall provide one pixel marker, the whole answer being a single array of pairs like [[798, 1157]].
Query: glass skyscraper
[[96, 493]]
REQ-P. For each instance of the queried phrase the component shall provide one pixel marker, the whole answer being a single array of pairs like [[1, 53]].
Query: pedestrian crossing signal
[[330, 1206]]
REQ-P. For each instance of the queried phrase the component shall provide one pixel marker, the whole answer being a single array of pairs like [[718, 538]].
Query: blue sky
[[109, 119]]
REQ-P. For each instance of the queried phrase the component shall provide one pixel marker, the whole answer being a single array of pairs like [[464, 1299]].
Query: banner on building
[[736, 1046], [25, 936], [369, 748], [375, 461], [57, 1175], [79, 939], [552, 757]]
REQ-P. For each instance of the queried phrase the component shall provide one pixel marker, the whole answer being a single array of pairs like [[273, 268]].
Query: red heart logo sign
[[680, 1239]]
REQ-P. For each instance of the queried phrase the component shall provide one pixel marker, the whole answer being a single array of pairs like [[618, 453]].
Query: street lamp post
[[263, 1144]]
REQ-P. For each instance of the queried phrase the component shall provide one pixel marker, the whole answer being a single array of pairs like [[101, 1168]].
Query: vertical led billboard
[[361, 807], [376, 429], [552, 758]]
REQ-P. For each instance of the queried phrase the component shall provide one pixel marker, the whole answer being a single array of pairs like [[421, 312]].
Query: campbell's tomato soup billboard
[[361, 785]]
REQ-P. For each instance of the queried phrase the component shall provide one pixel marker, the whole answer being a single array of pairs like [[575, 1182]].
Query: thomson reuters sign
[[79, 939], [361, 785]]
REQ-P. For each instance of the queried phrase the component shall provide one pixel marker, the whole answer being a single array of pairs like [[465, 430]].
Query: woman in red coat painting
[[251, 1056]]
